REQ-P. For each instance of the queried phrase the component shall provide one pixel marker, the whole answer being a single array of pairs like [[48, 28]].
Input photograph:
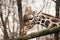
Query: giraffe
[[31, 18], [43, 19]]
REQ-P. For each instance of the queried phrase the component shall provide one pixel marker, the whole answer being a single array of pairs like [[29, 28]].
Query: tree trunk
[[20, 14], [56, 36]]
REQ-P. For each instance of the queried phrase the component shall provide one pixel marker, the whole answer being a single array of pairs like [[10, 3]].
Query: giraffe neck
[[49, 21]]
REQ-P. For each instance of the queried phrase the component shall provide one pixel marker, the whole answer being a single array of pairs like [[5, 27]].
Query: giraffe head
[[28, 16]]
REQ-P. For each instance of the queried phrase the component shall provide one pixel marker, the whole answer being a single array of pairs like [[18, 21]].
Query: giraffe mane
[[50, 15]]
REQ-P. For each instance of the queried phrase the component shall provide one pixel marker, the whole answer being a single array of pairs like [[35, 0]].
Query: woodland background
[[10, 18]]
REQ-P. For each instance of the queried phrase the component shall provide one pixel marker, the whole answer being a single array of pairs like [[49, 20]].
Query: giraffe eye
[[30, 18]]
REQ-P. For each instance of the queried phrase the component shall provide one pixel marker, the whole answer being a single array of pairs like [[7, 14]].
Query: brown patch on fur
[[47, 23], [43, 17], [23, 32], [27, 24], [26, 18], [54, 20], [53, 25], [48, 17]]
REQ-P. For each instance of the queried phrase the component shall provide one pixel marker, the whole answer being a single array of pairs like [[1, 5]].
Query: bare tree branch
[[4, 26], [42, 8]]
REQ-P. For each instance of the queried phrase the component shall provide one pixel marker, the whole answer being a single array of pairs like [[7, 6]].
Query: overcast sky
[[37, 5]]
